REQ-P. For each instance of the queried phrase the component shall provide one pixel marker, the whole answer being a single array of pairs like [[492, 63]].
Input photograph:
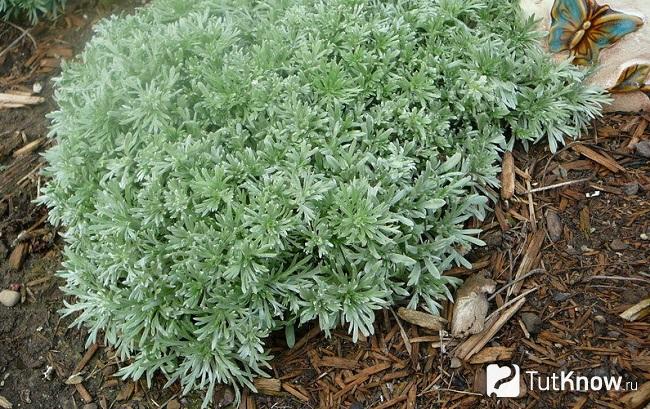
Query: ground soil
[[593, 267]]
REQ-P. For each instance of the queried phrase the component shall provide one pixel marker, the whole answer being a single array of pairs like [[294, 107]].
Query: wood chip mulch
[[571, 253]]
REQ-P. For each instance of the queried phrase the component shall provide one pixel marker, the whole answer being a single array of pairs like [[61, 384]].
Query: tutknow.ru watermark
[[504, 381]]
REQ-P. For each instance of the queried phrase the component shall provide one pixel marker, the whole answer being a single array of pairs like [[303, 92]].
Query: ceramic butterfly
[[633, 78], [583, 28]]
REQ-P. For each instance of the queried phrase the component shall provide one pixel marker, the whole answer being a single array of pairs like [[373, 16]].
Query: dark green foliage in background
[[227, 168], [29, 9]]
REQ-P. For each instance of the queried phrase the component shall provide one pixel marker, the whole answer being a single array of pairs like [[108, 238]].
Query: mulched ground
[[570, 249]]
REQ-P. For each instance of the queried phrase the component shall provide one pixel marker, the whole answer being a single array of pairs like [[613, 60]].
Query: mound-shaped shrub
[[228, 168], [30, 9]]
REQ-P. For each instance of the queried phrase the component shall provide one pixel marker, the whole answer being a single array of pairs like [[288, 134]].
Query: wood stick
[[86, 358], [493, 354], [296, 393], [19, 99], [509, 303], [531, 206], [599, 158], [528, 274], [392, 402], [412, 397], [527, 262], [486, 335], [83, 393], [267, 386], [638, 398], [558, 185], [29, 148], [507, 176], [467, 345], [496, 327]]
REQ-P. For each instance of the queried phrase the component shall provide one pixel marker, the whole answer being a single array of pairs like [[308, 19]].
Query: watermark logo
[[569, 381], [503, 381]]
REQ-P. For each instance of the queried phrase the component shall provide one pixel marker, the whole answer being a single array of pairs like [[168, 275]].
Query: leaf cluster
[[228, 168], [33, 10]]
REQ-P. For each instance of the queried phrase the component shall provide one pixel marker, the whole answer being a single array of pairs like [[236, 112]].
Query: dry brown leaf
[[74, 379], [422, 319], [471, 305]]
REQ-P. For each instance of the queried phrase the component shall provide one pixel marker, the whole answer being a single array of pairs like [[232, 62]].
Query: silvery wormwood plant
[[229, 168], [30, 9]]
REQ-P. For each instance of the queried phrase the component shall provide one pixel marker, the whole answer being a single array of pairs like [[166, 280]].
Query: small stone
[[37, 88], [600, 319], [613, 334], [644, 236], [9, 298], [617, 245], [357, 405], [631, 188], [173, 404], [532, 322], [643, 148], [455, 363], [561, 297], [47, 373]]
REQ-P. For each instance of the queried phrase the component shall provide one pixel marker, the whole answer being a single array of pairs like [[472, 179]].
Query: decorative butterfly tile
[[584, 27], [634, 78]]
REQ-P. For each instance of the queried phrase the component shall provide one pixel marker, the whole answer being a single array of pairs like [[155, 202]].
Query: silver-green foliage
[[227, 168], [30, 9]]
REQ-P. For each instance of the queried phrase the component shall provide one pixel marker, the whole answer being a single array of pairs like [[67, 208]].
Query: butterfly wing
[[567, 17], [585, 52], [611, 26], [633, 78]]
